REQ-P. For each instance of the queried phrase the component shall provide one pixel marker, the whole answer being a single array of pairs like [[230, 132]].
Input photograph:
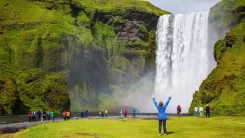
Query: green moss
[[38, 90], [120, 6], [219, 49], [223, 89], [105, 37], [8, 95], [143, 29], [227, 12], [40, 39]]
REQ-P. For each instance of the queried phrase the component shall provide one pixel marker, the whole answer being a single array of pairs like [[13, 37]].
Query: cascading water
[[184, 57]]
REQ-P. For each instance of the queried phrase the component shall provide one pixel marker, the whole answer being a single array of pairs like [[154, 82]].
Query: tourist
[[134, 112], [125, 112], [201, 111], [196, 111], [44, 115], [52, 114], [34, 116], [39, 115], [82, 113], [48, 115], [68, 114], [121, 112], [64, 115], [29, 116], [106, 112], [102, 112], [178, 111], [162, 116], [207, 111], [86, 114]]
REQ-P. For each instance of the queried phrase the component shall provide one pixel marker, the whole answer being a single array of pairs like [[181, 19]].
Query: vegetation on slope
[[224, 87], [88, 46]]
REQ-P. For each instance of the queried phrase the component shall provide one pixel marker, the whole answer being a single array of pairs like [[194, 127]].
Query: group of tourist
[[84, 114], [103, 113], [66, 115], [38, 116], [197, 111], [124, 112], [200, 111]]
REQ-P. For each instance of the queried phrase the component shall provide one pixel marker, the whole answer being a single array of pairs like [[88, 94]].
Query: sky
[[184, 6]]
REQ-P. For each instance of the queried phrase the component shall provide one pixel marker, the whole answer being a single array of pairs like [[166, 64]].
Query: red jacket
[[64, 114], [178, 107], [125, 112], [30, 114]]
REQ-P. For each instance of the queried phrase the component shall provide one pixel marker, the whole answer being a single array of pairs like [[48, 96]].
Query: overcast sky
[[184, 6]]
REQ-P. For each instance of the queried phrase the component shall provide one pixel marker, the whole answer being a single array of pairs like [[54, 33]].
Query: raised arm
[[154, 101], [166, 104]]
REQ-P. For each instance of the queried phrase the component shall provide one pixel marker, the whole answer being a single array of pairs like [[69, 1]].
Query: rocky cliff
[[224, 87], [49, 48]]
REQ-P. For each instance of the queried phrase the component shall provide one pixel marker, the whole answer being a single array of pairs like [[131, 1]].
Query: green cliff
[[49, 48], [224, 87]]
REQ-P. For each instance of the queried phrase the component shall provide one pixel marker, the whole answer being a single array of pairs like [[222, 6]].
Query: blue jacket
[[161, 109], [134, 111]]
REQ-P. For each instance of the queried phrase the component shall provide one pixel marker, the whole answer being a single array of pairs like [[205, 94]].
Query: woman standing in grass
[[162, 116]]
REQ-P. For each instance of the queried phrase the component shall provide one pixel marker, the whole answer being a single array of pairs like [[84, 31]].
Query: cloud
[[184, 6]]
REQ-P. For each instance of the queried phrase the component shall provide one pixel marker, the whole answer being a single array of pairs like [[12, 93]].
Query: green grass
[[185, 127], [120, 6]]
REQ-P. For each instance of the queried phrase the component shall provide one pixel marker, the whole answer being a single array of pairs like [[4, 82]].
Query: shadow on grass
[[170, 132]]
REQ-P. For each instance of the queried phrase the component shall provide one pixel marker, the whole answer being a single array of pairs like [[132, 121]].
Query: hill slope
[[225, 85], [87, 48]]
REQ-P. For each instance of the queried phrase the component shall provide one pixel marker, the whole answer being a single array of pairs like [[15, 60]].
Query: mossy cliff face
[[224, 87], [51, 47]]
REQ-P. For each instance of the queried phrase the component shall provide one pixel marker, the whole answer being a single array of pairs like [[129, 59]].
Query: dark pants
[[82, 115], [34, 118], [207, 114], [64, 117], [29, 118], [162, 123], [133, 114], [39, 118], [44, 118], [105, 115]]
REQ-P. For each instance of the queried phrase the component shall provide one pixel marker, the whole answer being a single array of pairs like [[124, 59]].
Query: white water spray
[[184, 58]]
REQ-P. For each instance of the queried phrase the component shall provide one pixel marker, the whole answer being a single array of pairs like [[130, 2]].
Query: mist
[[139, 95]]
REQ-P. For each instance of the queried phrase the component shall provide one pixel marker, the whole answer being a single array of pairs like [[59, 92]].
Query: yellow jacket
[[68, 113]]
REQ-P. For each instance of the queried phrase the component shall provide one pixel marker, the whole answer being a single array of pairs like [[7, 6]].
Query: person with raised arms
[[162, 116]]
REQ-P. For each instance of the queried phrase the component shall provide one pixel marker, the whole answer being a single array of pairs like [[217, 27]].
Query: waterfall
[[184, 57]]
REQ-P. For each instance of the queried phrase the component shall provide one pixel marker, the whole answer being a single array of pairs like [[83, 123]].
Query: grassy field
[[186, 127]]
